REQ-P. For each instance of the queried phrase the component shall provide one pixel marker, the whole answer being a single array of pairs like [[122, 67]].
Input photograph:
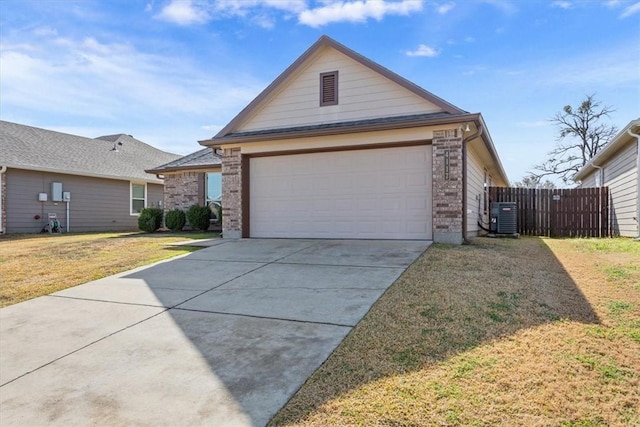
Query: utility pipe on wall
[[637, 137], [479, 132], [3, 169], [68, 216]]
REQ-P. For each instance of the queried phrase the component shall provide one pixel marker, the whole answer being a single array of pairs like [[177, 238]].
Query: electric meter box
[[66, 196]]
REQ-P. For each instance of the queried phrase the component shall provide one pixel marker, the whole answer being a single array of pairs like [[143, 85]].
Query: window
[[329, 88], [486, 193], [214, 187], [213, 191], [138, 198]]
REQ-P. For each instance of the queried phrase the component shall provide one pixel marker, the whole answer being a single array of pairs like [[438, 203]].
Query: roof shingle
[[115, 156]]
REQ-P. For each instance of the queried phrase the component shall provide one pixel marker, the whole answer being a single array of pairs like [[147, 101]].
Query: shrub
[[150, 219], [216, 209], [198, 217], [175, 220]]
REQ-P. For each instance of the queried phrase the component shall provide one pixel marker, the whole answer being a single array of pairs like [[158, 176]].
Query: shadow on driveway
[[221, 336]]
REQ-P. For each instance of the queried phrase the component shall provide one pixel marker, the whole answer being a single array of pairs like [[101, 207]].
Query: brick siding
[[232, 193], [181, 190], [447, 186]]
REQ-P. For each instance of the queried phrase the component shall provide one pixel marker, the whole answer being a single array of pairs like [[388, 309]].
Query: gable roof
[[114, 157], [621, 139], [202, 159], [325, 41]]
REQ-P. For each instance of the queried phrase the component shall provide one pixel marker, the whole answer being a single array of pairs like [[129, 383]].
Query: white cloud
[[630, 10], [356, 11], [562, 4], [98, 83], [183, 12], [260, 12], [445, 8], [424, 50]]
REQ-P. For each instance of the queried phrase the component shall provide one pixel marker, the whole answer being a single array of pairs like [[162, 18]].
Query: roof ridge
[[324, 41]]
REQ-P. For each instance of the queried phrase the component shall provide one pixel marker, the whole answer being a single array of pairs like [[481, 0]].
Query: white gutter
[[3, 169], [637, 137]]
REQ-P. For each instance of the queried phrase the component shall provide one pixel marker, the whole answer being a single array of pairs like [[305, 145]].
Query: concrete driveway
[[223, 336]]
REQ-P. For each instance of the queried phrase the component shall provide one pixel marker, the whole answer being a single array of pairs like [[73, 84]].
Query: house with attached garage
[[338, 146], [88, 184], [617, 166]]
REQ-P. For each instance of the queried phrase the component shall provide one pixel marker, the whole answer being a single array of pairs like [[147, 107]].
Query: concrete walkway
[[223, 336]]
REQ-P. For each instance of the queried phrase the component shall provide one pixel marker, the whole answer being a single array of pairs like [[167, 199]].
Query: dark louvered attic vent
[[329, 88]]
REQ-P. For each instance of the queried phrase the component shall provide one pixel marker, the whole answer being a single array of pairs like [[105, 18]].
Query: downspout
[[637, 137], [3, 169], [478, 133]]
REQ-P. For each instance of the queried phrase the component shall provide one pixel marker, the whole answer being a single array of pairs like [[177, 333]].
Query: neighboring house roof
[[620, 140], [325, 41], [202, 159], [115, 156]]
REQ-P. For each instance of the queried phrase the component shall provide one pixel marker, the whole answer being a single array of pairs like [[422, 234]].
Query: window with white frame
[[138, 197], [213, 193]]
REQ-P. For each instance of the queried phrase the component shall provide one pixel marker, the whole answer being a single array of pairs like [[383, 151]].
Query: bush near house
[[150, 219], [175, 220], [198, 217]]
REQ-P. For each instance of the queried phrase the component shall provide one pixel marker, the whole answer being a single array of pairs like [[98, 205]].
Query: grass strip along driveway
[[501, 332], [36, 265]]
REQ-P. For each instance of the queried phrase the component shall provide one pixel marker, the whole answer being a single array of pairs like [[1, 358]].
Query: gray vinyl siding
[[590, 181], [96, 204], [621, 176], [475, 192]]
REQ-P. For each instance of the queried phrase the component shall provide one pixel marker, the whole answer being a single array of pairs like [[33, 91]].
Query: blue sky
[[171, 72]]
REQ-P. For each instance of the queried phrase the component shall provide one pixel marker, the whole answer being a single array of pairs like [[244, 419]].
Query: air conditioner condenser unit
[[504, 218]]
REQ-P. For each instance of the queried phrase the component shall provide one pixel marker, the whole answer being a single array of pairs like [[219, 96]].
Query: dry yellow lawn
[[527, 332], [35, 265]]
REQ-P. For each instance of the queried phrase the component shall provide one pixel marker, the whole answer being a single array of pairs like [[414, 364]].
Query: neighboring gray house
[[193, 179], [617, 166], [103, 178]]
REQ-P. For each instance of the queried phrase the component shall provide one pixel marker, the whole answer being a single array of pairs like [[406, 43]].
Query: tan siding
[[621, 176], [475, 188], [362, 94], [96, 204]]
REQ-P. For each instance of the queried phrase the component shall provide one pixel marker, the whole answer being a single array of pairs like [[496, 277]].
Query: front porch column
[[232, 193]]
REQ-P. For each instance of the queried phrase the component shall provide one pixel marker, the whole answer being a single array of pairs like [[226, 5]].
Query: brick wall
[[232, 193], [447, 186], [181, 190]]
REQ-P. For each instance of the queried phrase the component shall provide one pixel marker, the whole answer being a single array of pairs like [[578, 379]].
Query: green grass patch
[[617, 308], [613, 245], [500, 332], [79, 258]]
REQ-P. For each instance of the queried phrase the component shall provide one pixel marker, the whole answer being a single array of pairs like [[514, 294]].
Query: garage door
[[360, 194]]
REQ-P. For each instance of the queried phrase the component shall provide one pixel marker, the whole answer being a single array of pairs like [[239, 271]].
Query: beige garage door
[[360, 194]]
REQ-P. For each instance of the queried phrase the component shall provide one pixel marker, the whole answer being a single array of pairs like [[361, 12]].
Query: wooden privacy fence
[[566, 212]]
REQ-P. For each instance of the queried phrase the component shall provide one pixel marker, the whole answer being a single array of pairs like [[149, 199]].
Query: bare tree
[[582, 135], [531, 181]]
